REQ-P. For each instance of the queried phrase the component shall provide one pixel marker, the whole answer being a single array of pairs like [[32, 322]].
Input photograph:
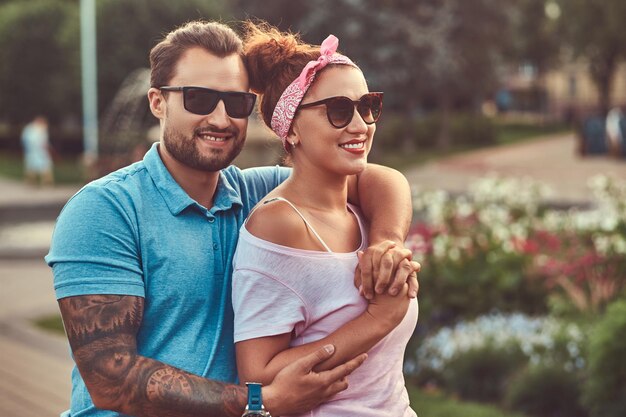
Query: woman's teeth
[[352, 145]]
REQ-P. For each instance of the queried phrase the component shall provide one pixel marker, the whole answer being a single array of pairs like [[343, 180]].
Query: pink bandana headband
[[292, 96]]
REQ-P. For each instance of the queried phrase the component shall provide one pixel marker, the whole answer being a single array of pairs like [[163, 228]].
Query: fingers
[[357, 278], [336, 387], [308, 362], [370, 263], [402, 269], [414, 285], [339, 373], [382, 264], [382, 271], [367, 281]]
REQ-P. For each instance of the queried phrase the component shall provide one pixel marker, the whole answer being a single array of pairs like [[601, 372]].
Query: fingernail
[[360, 290], [393, 291], [413, 293], [329, 348], [359, 254]]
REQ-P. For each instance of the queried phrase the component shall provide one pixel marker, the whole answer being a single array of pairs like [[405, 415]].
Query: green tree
[[595, 31], [38, 74], [127, 30], [434, 54]]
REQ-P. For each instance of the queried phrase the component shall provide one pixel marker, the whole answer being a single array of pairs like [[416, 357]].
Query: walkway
[[551, 160], [34, 365]]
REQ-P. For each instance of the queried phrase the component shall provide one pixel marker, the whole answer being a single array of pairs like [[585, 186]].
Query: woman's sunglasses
[[340, 110], [200, 100]]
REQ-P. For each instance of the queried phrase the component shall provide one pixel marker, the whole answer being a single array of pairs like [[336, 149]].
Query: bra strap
[[301, 216]]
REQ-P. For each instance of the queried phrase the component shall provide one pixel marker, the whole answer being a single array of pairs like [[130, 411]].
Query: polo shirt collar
[[175, 197]]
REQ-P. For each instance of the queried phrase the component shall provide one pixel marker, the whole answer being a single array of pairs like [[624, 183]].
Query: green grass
[[438, 405], [425, 404], [66, 170], [508, 133], [51, 323]]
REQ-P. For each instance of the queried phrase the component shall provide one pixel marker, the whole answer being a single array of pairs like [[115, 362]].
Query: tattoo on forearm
[[102, 331]]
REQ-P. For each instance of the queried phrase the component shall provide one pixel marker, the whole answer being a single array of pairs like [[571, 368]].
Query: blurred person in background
[[142, 258], [614, 137], [293, 273], [37, 155]]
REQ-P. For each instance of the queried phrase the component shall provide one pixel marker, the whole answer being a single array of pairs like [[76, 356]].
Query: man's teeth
[[212, 138], [352, 145]]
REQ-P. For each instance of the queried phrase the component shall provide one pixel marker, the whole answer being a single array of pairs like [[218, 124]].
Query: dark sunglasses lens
[[239, 105], [370, 107], [340, 111], [200, 101]]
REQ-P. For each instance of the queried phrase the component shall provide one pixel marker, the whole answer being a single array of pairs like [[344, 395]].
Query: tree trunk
[[445, 107], [602, 72]]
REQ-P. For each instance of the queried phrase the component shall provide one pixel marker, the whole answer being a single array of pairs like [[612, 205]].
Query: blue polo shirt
[[137, 232]]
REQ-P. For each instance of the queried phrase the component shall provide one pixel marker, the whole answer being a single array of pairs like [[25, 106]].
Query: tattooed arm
[[102, 332]]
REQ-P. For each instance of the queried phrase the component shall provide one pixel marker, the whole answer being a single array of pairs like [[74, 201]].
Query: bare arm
[[102, 332], [384, 196]]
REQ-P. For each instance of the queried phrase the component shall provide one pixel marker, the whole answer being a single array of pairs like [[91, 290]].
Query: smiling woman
[[293, 274]]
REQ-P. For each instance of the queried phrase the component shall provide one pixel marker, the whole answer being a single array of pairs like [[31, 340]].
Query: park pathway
[[552, 160]]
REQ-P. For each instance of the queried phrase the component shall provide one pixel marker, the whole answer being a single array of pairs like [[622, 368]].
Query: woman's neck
[[315, 189]]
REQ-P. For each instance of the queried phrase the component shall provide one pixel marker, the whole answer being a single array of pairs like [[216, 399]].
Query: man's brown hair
[[214, 37]]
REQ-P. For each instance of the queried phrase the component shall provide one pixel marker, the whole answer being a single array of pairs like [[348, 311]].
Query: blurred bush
[[605, 390], [545, 391], [497, 357], [395, 130], [498, 247], [482, 374]]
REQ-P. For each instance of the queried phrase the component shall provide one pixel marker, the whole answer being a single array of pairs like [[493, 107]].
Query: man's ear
[[158, 106]]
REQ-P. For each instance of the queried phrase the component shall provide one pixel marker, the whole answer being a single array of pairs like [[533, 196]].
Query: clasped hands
[[386, 267]]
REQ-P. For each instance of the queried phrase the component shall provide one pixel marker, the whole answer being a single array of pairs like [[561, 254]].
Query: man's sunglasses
[[340, 110], [200, 100]]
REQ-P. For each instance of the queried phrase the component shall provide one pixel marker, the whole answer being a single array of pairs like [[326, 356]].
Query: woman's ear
[[158, 106], [293, 137]]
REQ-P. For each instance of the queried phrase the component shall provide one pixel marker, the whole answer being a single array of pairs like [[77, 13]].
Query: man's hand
[[386, 266], [297, 388]]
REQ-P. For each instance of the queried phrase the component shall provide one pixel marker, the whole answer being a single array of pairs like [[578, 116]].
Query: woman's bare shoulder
[[277, 222]]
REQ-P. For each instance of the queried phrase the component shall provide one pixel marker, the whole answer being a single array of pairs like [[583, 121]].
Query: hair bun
[[269, 54]]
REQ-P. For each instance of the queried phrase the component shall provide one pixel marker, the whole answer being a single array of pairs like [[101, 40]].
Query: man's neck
[[199, 185]]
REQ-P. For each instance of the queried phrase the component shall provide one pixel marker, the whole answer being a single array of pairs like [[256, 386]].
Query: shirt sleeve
[[94, 247], [264, 306], [261, 180]]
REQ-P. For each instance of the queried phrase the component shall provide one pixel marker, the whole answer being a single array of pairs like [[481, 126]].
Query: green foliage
[[127, 30], [482, 374], [40, 50], [437, 405], [594, 29], [605, 390], [67, 170], [496, 247], [52, 323], [466, 130], [37, 40], [545, 392]]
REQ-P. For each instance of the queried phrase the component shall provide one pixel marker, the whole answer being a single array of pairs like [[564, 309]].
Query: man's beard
[[184, 150]]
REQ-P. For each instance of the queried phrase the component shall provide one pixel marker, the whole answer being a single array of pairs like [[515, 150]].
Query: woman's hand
[[388, 310]]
